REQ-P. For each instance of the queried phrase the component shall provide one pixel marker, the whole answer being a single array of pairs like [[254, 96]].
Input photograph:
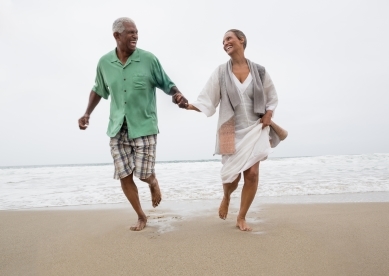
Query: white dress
[[251, 141]]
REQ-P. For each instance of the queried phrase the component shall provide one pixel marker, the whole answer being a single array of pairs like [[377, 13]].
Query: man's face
[[126, 41]]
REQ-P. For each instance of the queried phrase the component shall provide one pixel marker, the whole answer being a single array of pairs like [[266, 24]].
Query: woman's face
[[231, 43]]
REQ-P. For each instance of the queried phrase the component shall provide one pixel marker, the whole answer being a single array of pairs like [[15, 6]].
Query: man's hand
[[83, 122], [179, 99], [94, 99], [266, 119]]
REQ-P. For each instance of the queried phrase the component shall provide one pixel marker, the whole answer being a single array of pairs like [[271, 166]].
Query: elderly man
[[130, 75]]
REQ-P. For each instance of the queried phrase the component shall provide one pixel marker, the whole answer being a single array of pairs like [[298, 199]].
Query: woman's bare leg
[[249, 190], [228, 189]]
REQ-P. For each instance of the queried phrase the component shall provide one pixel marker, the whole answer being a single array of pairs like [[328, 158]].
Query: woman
[[247, 99]]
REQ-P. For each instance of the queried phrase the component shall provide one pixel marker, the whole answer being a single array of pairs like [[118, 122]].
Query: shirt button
[[125, 90], [124, 79], [125, 102]]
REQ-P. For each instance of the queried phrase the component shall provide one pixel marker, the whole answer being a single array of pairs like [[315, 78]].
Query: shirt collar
[[134, 57]]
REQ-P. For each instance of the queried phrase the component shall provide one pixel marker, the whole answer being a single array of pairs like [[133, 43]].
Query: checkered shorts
[[133, 155]]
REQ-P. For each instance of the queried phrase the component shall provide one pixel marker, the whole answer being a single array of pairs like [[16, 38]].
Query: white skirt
[[251, 145]]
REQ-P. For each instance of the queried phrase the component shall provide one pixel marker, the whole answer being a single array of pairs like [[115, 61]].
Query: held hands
[[180, 100], [83, 122]]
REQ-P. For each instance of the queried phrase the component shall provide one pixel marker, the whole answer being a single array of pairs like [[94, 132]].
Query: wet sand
[[189, 239]]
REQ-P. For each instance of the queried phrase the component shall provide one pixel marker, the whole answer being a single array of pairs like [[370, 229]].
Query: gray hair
[[239, 34], [118, 26]]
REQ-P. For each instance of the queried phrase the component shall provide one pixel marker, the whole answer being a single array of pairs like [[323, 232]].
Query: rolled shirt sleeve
[[100, 88]]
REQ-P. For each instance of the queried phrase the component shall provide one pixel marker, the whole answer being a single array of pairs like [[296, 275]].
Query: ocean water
[[70, 185]]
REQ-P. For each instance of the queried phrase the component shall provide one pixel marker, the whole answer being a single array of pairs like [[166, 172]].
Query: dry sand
[[298, 239]]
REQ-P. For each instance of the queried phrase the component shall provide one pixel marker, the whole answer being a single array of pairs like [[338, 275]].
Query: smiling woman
[[247, 99], [239, 34]]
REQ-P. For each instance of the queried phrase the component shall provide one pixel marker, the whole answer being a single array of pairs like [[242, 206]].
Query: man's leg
[[228, 189], [145, 152], [248, 193], [131, 192], [154, 189]]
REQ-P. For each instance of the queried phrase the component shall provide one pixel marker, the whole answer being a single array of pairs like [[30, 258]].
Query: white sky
[[329, 61]]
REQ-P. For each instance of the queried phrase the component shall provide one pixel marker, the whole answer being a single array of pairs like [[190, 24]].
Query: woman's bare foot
[[223, 209], [242, 225], [156, 196], [140, 225]]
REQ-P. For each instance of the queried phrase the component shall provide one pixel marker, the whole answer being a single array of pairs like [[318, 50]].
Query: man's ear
[[116, 35]]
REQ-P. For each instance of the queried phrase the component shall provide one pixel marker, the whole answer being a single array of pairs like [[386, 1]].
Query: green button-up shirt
[[132, 89]]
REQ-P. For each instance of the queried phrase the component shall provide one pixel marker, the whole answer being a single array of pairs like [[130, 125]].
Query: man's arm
[[164, 83], [94, 99]]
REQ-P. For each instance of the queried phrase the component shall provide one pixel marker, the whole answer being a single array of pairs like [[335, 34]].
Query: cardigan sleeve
[[270, 93], [209, 98]]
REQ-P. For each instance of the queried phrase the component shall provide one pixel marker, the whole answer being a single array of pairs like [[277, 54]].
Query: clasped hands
[[180, 100]]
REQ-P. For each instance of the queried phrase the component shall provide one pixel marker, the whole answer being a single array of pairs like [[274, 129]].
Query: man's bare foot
[[156, 196], [223, 209], [242, 225], [140, 225]]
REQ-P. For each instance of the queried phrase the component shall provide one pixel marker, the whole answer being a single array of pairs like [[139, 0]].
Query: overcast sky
[[329, 61]]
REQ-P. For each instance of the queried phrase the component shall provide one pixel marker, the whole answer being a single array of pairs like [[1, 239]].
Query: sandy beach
[[188, 238]]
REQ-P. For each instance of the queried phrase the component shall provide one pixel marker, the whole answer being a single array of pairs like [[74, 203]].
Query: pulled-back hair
[[239, 34]]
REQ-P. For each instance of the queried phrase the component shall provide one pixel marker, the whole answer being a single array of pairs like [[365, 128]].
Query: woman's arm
[[270, 93], [271, 100], [191, 107], [209, 98]]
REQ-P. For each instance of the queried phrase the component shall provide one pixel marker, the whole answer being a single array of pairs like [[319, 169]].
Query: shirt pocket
[[139, 82]]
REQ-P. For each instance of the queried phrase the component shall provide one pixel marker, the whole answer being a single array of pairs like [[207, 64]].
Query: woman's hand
[[192, 107], [266, 119]]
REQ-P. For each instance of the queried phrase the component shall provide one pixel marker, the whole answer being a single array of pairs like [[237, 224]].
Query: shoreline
[[188, 238], [368, 197]]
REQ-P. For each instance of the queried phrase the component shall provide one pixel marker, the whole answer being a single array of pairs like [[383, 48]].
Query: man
[[130, 75]]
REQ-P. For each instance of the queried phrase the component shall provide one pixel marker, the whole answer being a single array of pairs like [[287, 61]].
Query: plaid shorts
[[133, 155]]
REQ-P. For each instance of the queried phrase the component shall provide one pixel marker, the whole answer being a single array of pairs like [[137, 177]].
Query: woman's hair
[[239, 34], [118, 26]]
